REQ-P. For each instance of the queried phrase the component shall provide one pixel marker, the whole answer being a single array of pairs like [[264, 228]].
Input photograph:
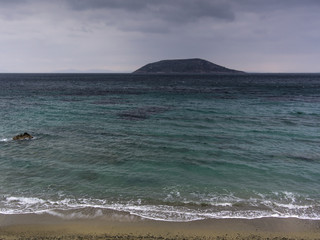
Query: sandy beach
[[125, 226]]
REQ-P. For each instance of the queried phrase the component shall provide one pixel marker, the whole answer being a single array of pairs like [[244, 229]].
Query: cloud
[[132, 5], [121, 35], [11, 2], [167, 11]]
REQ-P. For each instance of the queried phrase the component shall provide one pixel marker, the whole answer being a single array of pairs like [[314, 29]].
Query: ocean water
[[164, 147]]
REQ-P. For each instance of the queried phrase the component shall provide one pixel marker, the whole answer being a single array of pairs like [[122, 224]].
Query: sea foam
[[5, 139], [78, 208]]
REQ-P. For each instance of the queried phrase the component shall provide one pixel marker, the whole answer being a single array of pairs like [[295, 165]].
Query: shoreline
[[125, 226]]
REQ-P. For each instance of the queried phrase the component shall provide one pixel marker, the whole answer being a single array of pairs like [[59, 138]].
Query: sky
[[122, 35]]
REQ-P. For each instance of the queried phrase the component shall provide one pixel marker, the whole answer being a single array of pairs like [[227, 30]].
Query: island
[[184, 66]]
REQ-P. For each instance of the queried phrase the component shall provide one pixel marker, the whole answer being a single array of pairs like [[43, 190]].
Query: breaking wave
[[287, 207]]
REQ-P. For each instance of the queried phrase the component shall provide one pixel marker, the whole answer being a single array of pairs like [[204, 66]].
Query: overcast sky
[[123, 35]]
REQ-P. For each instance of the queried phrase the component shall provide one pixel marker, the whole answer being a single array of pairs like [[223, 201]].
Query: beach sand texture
[[125, 226]]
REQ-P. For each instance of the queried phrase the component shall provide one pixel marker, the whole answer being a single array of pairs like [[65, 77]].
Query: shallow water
[[166, 147]]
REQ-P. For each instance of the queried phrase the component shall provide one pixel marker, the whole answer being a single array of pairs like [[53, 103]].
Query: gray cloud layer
[[121, 35], [180, 10]]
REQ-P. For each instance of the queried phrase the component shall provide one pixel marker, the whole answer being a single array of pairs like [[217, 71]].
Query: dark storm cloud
[[175, 11], [121, 35], [272, 5], [132, 5], [180, 11]]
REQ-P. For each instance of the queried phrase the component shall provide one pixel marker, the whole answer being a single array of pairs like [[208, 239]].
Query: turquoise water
[[165, 147]]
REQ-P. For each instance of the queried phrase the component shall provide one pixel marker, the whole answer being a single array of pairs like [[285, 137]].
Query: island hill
[[184, 66]]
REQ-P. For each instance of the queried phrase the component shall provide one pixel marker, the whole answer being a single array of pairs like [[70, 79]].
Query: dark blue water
[[167, 147]]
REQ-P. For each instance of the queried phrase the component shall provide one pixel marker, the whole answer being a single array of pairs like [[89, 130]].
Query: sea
[[164, 147]]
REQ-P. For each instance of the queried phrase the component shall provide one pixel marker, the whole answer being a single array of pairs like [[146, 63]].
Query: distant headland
[[187, 66]]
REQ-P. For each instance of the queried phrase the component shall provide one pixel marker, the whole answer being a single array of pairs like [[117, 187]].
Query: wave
[[5, 139], [245, 209], [10, 139]]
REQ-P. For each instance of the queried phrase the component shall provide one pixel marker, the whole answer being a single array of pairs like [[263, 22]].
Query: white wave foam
[[76, 208], [25, 200], [76, 215], [10, 139], [5, 139], [292, 206]]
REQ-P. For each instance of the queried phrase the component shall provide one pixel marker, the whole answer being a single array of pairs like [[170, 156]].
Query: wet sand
[[125, 226]]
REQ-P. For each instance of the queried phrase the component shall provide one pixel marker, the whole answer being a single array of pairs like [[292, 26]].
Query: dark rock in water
[[22, 136], [186, 66]]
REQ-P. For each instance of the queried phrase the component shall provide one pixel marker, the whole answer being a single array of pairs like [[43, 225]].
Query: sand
[[125, 226]]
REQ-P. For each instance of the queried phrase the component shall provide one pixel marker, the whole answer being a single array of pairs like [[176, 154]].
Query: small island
[[184, 66]]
